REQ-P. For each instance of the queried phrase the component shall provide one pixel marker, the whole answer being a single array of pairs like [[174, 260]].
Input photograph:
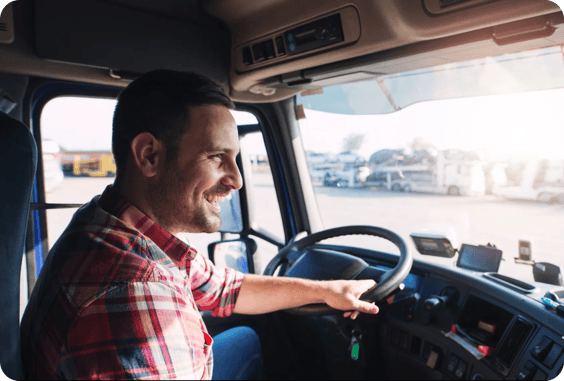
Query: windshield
[[472, 151]]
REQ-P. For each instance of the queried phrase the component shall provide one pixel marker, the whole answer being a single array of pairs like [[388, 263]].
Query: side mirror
[[237, 254]]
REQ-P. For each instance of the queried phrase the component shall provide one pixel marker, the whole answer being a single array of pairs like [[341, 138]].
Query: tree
[[353, 142], [419, 144]]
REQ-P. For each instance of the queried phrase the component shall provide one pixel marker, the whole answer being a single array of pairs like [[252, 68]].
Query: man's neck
[[136, 192]]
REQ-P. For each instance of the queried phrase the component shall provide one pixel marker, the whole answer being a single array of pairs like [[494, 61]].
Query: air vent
[[515, 337], [3, 27]]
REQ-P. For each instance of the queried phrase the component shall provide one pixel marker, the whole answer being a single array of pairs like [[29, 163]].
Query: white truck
[[448, 172], [542, 180], [345, 170]]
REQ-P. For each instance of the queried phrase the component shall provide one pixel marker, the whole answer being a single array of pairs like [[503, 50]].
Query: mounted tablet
[[479, 258]]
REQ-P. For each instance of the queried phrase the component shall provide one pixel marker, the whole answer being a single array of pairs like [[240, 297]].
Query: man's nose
[[234, 180]]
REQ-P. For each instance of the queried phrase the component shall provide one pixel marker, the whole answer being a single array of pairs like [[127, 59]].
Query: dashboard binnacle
[[451, 323]]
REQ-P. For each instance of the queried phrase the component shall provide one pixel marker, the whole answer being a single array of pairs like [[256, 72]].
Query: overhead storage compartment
[[117, 36]]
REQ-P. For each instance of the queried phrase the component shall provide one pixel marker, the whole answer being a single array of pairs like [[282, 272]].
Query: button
[[259, 51], [539, 375], [541, 349], [269, 47], [247, 57], [403, 340], [394, 340], [280, 46], [290, 37], [552, 356], [527, 372], [433, 359], [460, 369], [426, 351], [452, 363], [292, 47]]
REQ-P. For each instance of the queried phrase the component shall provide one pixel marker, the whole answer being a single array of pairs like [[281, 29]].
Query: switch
[[427, 348], [269, 47], [552, 356], [247, 57], [460, 369], [527, 372], [540, 375], [452, 363], [404, 340], [394, 340], [432, 360], [280, 46], [259, 51], [541, 349]]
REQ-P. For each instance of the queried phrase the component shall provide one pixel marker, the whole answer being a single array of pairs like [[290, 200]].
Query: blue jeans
[[237, 355]]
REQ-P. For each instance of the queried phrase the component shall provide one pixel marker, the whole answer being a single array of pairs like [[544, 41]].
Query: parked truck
[[449, 172], [103, 166], [346, 169]]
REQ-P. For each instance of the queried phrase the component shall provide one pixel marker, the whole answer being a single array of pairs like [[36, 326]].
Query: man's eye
[[219, 156]]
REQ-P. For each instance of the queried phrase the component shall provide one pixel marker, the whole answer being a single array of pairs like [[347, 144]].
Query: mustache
[[221, 191]]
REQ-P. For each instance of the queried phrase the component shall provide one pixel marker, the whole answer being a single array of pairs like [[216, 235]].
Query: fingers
[[366, 307], [367, 284]]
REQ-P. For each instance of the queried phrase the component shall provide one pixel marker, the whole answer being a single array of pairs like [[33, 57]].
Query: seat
[[19, 162]]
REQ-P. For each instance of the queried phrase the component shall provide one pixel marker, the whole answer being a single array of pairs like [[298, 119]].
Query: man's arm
[[262, 294]]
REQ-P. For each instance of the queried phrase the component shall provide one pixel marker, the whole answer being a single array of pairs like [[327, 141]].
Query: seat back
[[18, 162]]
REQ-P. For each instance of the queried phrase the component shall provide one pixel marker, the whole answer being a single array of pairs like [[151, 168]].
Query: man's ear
[[147, 152]]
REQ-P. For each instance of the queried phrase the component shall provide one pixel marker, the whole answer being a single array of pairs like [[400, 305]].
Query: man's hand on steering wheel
[[344, 295]]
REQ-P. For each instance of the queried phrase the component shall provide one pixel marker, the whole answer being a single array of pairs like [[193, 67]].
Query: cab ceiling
[[83, 40]]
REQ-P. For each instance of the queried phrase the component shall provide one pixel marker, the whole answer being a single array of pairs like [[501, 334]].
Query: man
[[119, 295]]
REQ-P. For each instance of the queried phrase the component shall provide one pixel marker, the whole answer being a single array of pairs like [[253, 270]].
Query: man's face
[[186, 191]]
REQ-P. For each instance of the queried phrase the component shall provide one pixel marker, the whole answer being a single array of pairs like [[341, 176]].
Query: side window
[[78, 164]]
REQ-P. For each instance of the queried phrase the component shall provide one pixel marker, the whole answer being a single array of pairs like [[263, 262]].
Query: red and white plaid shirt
[[119, 297]]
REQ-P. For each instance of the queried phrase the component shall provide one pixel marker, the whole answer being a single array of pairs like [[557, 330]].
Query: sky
[[509, 124]]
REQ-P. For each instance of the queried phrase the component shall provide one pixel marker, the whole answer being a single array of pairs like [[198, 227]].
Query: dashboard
[[452, 323]]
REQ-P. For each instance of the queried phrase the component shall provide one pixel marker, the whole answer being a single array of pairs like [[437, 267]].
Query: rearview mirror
[[237, 254]]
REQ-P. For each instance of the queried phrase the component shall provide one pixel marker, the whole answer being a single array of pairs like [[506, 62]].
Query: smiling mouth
[[214, 200]]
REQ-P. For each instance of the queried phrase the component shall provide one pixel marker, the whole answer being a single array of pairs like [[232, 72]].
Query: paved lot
[[463, 219]]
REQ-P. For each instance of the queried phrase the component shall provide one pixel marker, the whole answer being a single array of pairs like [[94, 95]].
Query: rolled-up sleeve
[[214, 288]]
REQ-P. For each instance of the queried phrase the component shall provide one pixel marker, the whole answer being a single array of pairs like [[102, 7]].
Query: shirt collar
[[117, 205]]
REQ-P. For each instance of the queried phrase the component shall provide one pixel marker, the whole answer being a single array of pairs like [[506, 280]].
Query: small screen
[[479, 258]]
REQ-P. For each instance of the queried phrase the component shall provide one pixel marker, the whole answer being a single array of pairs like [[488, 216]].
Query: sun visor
[[530, 70]]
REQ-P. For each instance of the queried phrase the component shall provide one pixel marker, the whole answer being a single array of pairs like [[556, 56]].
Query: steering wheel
[[389, 281]]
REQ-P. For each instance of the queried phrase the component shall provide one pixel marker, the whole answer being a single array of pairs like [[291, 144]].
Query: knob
[[434, 303]]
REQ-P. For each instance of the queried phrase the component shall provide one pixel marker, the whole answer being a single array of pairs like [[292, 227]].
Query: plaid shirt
[[118, 297]]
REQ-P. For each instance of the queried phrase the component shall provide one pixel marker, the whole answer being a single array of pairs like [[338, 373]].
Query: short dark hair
[[159, 102]]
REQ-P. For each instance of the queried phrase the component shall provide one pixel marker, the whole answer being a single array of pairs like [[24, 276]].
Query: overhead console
[[326, 32]]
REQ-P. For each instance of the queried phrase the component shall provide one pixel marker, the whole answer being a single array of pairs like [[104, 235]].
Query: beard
[[170, 203]]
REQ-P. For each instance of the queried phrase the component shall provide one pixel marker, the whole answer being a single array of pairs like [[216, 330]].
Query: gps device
[[479, 258], [433, 244]]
